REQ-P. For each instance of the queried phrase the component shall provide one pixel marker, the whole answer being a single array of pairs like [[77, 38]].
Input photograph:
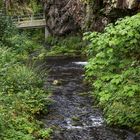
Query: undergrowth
[[113, 70], [68, 46], [22, 96]]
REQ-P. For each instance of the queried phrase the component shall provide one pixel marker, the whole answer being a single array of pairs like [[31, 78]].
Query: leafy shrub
[[18, 42], [21, 90], [21, 96], [114, 70], [70, 45], [37, 35], [22, 44], [7, 28]]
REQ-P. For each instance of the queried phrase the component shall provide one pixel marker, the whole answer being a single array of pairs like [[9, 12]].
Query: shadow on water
[[72, 115]]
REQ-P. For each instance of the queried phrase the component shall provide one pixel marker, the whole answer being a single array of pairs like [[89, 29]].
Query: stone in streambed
[[56, 82]]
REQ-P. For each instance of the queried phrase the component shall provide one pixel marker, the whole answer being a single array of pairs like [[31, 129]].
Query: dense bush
[[69, 45], [36, 35], [20, 7], [114, 71], [21, 90], [6, 28], [10, 37]]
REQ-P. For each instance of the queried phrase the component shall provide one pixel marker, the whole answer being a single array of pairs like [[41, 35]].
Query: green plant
[[114, 70], [70, 45], [22, 95], [21, 44], [21, 7], [7, 28], [45, 133]]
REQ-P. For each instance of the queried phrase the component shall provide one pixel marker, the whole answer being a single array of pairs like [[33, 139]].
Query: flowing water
[[72, 115]]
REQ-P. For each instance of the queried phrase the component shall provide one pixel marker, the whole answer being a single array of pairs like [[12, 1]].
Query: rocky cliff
[[66, 16]]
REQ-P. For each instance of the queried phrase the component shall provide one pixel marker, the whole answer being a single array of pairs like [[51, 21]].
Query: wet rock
[[124, 4], [59, 15], [68, 16], [56, 82]]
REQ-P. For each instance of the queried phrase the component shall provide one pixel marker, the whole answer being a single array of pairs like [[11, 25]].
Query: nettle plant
[[114, 70]]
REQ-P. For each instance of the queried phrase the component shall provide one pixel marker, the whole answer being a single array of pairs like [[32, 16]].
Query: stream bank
[[71, 115]]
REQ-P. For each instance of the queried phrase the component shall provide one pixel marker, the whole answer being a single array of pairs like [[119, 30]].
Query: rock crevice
[[67, 16]]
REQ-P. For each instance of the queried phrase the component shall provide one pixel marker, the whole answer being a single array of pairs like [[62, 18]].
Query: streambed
[[72, 115]]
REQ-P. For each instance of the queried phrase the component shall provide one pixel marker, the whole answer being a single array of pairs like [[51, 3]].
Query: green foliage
[[18, 42], [37, 35], [87, 1], [35, 6], [70, 45], [21, 44], [1, 4], [6, 28], [21, 7], [21, 90], [114, 70], [46, 133]]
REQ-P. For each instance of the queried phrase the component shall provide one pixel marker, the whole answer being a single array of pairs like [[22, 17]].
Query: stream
[[72, 114]]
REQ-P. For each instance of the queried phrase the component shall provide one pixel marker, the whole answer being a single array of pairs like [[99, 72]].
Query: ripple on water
[[96, 121], [71, 115], [80, 63]]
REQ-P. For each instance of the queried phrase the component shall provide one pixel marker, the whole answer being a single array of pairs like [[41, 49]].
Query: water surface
[[72, 115]]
